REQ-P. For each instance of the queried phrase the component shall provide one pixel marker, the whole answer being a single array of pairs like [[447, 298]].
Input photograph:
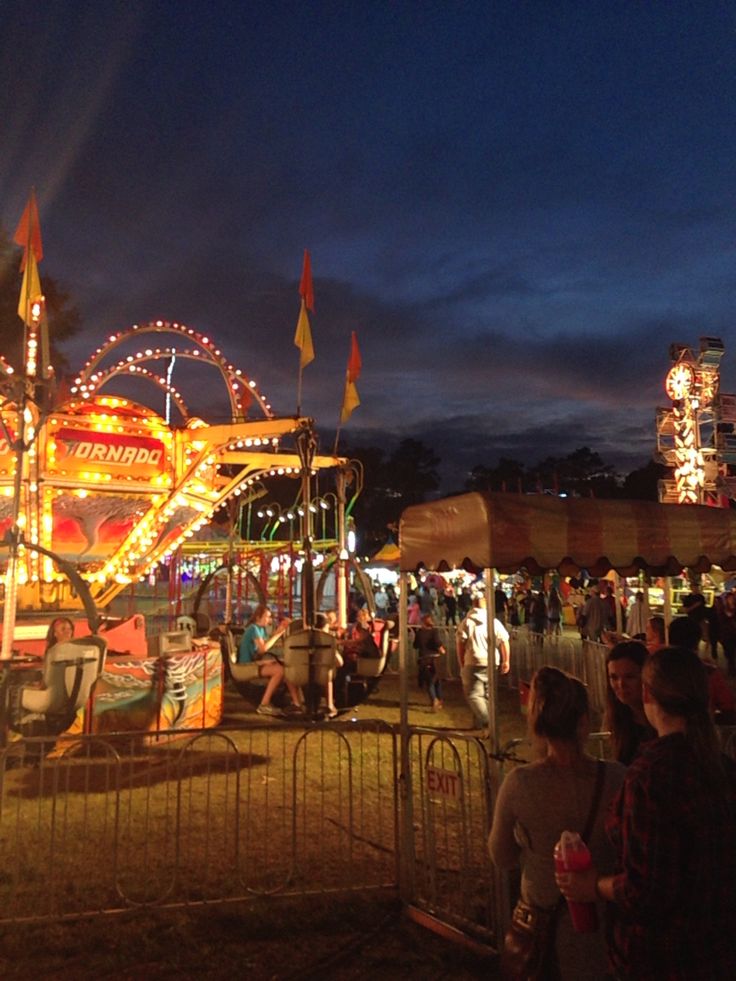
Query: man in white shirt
[[472, 654]]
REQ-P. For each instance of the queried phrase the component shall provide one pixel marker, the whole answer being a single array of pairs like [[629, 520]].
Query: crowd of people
[[658, 819], [663, 842]]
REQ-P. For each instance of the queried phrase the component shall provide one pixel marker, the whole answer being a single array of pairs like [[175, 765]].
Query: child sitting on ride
[[255, 645], [60, 629], [363, 637]]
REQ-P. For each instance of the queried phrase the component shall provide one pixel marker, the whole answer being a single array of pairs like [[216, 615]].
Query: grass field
[[280, 937]]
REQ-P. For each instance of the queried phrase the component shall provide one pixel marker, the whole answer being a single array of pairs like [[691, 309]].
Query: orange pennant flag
[[351, 400], [30, 304], [28, 232], [303, 337], [306, 289]]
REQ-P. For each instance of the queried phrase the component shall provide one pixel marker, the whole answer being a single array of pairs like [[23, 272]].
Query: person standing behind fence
[[593, 616], [608, 598], [429, 646], [464, 602], [554, 612], [655, 635], [472, 655], [685, 632], [636, 620], [538, 613], [674, 828], [539, 801], [450, 604], [502, 605], [727, 629]]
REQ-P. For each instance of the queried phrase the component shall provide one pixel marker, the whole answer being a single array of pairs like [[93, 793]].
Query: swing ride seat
[[242, 674], [306, 646], [372, 667]]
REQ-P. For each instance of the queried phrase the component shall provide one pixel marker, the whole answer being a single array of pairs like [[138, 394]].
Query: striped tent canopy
[[539, 532]]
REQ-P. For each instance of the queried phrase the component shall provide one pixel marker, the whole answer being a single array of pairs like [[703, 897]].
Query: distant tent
[[389, 554]]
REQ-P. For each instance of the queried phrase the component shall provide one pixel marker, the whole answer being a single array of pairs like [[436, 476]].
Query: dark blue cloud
[[517, 206]]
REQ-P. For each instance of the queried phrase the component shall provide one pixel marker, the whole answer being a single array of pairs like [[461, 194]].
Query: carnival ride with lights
[[696, 435], [97, 490]]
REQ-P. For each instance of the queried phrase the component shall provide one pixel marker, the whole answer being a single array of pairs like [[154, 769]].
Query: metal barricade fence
[[114, 823], [451, 878], [530, 651], [595, 675], [108, 825]]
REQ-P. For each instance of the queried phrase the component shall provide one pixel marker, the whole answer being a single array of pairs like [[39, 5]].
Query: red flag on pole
[[28, 232], [306, 289], [355, 362], [351, 400]]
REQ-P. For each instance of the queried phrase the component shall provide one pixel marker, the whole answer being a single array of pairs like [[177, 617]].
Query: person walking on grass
[[472, 655], [429, 646]]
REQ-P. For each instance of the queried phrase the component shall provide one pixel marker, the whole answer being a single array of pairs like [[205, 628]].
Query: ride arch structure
[[113, 487]]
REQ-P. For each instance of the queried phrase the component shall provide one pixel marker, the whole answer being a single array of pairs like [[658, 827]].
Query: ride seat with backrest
[[70, 671], [371, 667], [303, 646], [247, 671]]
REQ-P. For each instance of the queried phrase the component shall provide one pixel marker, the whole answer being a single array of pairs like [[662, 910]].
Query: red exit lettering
[[444, 783]]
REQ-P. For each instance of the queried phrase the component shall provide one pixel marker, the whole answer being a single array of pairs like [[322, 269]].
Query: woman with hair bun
[[539, 801], [674, 828]]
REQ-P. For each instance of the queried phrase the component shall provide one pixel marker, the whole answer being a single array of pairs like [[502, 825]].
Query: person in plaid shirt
[[674, 826]]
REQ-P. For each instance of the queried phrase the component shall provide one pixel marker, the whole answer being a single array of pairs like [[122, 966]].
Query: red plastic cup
[[573, 856]]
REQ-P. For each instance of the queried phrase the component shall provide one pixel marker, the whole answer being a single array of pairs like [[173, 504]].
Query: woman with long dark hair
[[625, 717], [60, 629], [674, 827]]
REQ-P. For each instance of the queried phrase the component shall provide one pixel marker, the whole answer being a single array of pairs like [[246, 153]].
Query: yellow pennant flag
[[350, 401], [30, 304], [303, 337], [355, 364]]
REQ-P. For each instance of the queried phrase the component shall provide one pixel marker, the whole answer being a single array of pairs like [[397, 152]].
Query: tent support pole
[[618, 593], [667, 608], [405, 783], [488, 575]]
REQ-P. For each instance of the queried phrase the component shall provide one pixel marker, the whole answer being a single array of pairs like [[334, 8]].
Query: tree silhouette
[[407, 476]]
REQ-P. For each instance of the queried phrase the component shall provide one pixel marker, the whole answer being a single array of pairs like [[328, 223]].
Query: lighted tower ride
[[696, 434]]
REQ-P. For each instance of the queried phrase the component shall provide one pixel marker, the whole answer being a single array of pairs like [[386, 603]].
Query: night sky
[[518, 206]]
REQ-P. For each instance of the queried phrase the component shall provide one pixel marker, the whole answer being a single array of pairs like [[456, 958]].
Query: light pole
[[285, 516], [271, 513], [323, 504], [306, 446]]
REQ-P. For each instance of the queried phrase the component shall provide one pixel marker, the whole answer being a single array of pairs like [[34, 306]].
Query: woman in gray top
[[539, 801]]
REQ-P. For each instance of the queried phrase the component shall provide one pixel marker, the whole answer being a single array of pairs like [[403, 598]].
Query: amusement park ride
[[96, 490], [696, 435]]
